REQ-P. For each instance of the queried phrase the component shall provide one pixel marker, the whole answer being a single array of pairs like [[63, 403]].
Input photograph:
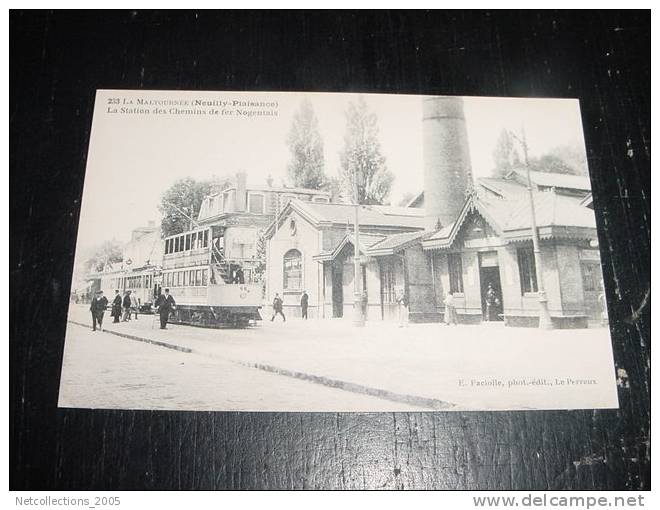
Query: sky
[[134, 157]]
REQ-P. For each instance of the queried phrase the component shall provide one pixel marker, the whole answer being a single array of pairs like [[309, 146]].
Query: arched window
[[292, 270]]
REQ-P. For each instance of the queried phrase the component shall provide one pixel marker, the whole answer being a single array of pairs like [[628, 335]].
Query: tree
[[551, 164], [103, 255], [306, 168], [334, 187], [505, 154], [565, 159], [183, 198], [573, 155], [361, 157]]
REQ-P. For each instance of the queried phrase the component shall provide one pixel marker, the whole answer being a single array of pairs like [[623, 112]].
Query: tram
[[203, 284], [142, 282]]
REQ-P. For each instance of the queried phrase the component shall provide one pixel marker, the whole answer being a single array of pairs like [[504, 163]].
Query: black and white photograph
[[305, 252]]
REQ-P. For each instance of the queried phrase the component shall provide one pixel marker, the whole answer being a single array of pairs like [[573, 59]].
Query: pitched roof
[[555, 180], [395, 242], [556, 216], [370, 215], [366, 241]]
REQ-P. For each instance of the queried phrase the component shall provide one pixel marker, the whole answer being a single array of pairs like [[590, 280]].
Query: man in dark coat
[[165, 304], [116, 307], [304, 303], [97, 307], [127, 306], [277, 307]]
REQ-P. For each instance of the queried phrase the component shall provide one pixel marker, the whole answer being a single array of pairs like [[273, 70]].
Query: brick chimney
[[241, 191], [447, 166]]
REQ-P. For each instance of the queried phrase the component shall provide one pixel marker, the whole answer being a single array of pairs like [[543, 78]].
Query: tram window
[[191, 277], [193, 238], [206, 238], [198, 277], [187, 241], [182, 243], [185, 278], [204, 275]]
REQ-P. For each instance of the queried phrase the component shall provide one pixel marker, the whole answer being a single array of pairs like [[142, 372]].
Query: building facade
[[310, 247]]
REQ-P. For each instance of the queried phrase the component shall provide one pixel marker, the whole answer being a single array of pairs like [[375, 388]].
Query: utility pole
[[545, 322], [358, 315]]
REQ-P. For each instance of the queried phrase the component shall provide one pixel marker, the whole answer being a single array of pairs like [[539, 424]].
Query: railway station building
[[461, 235]]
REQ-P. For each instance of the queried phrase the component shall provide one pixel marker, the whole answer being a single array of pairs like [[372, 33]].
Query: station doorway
[[489, 277]]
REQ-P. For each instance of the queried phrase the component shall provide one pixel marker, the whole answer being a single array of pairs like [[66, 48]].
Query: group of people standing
[[124, 307]]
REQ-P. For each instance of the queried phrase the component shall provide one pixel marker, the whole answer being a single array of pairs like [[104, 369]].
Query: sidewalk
[[441, 367]]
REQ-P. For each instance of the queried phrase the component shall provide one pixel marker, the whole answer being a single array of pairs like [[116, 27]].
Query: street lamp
[[545, 322], [358, 315]]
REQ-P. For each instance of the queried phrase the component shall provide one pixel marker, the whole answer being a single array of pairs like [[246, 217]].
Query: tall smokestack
[[241, 191], [447, 167]]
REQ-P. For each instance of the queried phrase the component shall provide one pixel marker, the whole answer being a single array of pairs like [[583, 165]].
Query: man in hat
[[97, 307], [116, 306], [165, 304], [304, 303], [126, 303], [277, 308]]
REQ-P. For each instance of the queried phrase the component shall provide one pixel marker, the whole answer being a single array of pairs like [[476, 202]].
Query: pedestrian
[[116, 306], [97, 307], [165, 304], [277, 307], [450, 310], [135, 305], [402, 301], [492, 301], [126, 304], [304, 303]]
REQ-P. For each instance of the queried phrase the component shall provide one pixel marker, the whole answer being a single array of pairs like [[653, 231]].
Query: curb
[[403, 398], [140, 339], [425, 402]]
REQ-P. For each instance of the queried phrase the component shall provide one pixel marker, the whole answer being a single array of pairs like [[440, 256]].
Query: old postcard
[[336, 252]]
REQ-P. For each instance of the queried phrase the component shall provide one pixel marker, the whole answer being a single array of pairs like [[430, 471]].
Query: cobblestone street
[[106, 371], [301, 364]]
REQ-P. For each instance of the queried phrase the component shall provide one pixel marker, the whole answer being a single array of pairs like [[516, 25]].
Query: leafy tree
[[306, 168], [183, 198], [361, 157], [260, 256], [505, 154], [334, 187], [567, 159], [573, 155], [551, 164], [103, 255]]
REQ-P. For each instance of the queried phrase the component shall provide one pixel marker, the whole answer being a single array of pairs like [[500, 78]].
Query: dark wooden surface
[[57, 62]]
